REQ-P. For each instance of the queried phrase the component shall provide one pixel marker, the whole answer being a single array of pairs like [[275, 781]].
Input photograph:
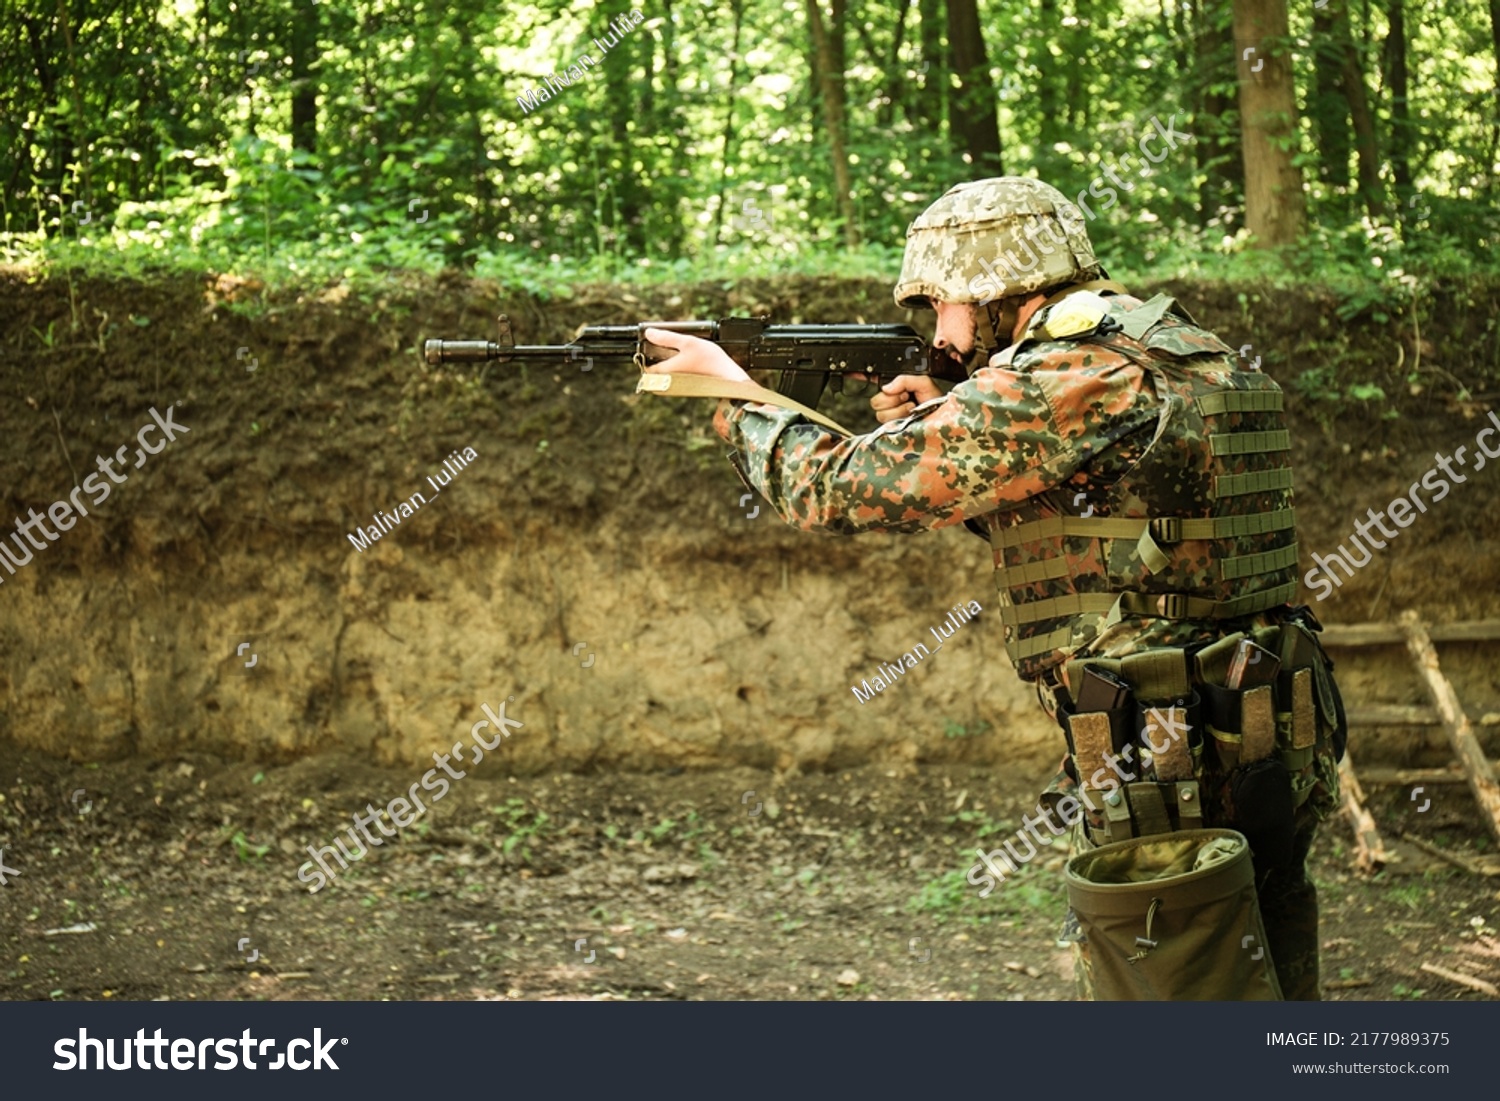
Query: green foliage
[[953, 729], [145, 136], [247, 852], [949, 894], [1410, 895], [987, 825], [1318, 384], [522, 827], [952, 896]]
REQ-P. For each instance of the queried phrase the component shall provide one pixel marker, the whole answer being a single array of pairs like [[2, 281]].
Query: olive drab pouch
[[1172, 917]]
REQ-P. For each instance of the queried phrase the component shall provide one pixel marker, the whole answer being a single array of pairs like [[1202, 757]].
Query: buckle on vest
[[1173, 605], [1166, 529]]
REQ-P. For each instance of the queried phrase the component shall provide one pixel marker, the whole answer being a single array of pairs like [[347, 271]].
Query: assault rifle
[[804, 357]]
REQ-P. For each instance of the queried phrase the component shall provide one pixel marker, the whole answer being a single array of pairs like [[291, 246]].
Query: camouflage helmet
[[991, 239]]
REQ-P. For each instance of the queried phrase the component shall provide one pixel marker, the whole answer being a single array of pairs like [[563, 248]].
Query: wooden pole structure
[[1455, 722], [1369, 849]]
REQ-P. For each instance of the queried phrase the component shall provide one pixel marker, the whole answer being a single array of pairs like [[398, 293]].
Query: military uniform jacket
[[1143, 420]]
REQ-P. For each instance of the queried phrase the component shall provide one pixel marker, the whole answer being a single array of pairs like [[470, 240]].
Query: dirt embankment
[[593, 559]]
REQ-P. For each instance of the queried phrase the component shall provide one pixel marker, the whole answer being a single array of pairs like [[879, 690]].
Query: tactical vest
[[1195, 521]]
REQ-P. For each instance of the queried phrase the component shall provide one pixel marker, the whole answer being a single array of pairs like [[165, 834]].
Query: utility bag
[[1172, 917]]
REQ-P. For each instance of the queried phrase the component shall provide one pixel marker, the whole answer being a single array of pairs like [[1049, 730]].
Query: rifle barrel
[[484, 351]]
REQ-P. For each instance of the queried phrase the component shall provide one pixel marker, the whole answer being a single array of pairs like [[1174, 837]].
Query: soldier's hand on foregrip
[[695, 356], [901, 395]]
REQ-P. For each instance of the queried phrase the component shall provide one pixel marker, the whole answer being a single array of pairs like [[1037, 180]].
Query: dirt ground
[[177, 879]]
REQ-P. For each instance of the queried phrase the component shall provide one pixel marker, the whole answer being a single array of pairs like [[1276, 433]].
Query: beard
[[971, 358]]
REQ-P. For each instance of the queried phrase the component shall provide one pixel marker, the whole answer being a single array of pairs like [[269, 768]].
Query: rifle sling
[[706, 386]]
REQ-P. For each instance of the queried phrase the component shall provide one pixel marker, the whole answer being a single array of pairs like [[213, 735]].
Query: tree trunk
[[1216, 143], [1352, 84], [1176, 43], [830, 84], [671, 123], [77, 129], [971, 108], [896, 83], [1078, 43], [1495, 109], [1396, 81], [1048, 109], [631, 199], [1327, 105], [929, 110], [1275, 207], [737, 8], [305, 26]]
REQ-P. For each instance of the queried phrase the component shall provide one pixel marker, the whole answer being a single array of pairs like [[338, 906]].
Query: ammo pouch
[[1172, 917], [1186, 752]]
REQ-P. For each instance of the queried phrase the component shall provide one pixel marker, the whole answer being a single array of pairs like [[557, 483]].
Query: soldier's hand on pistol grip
[[695, 356], [901, 395]]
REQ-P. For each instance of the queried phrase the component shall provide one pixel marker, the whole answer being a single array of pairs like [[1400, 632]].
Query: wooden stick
[[1463, 980], [1339, 635], [1455, 722], [1473, 867], [1403, 776], [1394, 714], [1369, 850]]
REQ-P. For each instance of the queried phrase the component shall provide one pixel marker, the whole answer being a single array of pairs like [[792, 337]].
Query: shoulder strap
[[1103, 286], [1137, 322], [706, 386]]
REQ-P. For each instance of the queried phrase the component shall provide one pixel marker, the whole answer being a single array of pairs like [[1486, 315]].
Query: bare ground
[[709, 885]]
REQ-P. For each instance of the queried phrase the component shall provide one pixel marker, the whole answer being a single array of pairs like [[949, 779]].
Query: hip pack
[[1172, 918]]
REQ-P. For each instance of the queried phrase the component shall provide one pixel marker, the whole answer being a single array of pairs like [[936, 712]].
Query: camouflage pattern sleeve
[[995, 441]]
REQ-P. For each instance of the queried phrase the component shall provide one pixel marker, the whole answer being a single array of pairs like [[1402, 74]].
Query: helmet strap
[[996, 324]]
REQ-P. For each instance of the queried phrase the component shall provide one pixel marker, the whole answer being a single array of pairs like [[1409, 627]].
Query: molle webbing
[[1259, 481], [1248, 443], [1240, 401], [1147, 531], [1181, 606], [1247, 565], [1116, 605], [1169, 529]]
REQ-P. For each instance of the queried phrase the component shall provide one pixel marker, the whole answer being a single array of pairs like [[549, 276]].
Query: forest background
[[294, 141]]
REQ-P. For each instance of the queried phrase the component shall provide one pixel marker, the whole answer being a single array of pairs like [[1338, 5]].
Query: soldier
[[1132, 476]]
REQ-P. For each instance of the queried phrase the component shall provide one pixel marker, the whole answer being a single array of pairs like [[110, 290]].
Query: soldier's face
[[956, 323]]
